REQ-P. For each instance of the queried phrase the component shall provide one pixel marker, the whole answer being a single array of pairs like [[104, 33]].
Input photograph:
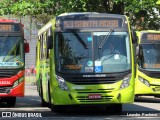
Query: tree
[[141, 15]]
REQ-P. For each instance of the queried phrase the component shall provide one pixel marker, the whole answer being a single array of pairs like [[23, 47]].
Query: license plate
[[94, 96]]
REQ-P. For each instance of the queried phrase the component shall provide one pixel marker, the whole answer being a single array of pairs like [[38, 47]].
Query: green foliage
[[140, 12], [142, 15]]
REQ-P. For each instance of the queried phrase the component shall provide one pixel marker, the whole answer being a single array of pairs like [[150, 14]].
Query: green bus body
[[148, 67], [71, 69]]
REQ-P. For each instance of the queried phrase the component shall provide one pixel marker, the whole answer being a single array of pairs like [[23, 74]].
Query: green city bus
[[73, 68], [147, 80]]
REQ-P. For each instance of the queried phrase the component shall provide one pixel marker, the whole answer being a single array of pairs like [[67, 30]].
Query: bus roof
[[77, 13], [80, 16], [4, 20], [90, 13]]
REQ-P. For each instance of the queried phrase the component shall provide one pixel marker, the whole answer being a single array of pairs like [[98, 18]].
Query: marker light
[[126, 81], [62, 84]]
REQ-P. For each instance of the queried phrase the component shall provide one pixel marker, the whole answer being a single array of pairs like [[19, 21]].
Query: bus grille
[[88, 79], [81, 81], [83, 96], [7, 73], [85, 99], [5, 89]]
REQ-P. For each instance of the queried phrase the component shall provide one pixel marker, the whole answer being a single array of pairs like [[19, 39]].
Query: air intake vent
[[88, 79], [5, 89], [106, 80], [85, 99], [7, 73]]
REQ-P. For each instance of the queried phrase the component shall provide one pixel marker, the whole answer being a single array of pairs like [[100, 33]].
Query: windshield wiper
[[80, 39], [105, 39]]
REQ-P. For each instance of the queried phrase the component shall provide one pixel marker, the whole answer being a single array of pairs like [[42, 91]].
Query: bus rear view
[[83, 72], [148, 67]]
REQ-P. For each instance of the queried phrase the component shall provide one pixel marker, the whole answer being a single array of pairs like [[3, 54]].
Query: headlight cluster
[[62, 84], [126, 81], [17, 82], [144, 81]]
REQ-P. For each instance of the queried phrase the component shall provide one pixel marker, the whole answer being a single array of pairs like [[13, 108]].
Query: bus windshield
[[149, 56], [74, 57], [11, 52]]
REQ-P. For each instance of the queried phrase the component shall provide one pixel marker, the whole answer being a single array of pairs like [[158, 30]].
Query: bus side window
[[41, 46], [47, 43]]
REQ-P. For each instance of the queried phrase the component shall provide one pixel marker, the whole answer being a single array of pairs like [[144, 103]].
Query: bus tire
[[11, 101], [49, 95], [117, 108], [43, 102], [57, 108]]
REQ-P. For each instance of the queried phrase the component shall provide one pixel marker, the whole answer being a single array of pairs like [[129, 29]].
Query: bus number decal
[[88, 69], [73, 67]]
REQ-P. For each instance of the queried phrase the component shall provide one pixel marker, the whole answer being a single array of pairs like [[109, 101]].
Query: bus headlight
[[144, 81], [17, 82], [126, 81], [62, 84]]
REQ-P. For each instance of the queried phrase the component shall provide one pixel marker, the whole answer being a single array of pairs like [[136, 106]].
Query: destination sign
[[92, 23], [151, 36], [5, 27], [9, 27]]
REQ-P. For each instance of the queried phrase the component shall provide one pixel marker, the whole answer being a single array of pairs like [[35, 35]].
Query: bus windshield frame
[[149, 57], [73, 57], [12, 50]]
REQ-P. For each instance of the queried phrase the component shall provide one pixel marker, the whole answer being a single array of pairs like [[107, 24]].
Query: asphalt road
[[29, 107]]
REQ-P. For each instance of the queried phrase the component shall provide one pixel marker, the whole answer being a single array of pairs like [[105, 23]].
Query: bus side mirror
[[26, 47], [137, 50], [134, 37]]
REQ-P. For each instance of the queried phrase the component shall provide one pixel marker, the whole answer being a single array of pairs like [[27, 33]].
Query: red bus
[[13, 47]]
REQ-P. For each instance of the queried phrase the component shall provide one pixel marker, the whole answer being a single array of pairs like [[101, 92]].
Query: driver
[[111, 50]]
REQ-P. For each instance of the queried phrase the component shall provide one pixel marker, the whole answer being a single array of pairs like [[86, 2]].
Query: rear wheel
[[43, 102], [11, 101], [157, 96], [57, 108], [49, 96], [117, 108]]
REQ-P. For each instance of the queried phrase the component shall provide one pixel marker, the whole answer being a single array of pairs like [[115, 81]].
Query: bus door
[[43, 65]]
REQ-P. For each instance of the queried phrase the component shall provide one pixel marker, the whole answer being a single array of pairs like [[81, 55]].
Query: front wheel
[[43, 102], [58, 108], [117, 108], [11, 101]]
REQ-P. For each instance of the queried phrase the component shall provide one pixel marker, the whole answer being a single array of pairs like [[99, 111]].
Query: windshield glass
[[149, 56], [11, 52], [75, 57]]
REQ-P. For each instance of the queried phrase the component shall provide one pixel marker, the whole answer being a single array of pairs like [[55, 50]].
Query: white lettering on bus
[[5, 82]]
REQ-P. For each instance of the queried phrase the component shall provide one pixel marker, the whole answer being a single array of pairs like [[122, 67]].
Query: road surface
[[29, 107]]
